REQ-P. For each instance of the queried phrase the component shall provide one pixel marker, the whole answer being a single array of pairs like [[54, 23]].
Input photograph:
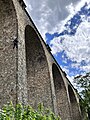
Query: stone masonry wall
[[61, 94], [27, 74], [33, 73], [8, 32], [74, 104], [39, 89]]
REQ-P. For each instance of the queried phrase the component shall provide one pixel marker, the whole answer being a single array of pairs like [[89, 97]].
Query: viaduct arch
[[38, 78], [24, 71], [61, 93], [74, 104]]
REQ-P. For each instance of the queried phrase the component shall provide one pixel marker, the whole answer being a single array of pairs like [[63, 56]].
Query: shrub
[[20, 112]]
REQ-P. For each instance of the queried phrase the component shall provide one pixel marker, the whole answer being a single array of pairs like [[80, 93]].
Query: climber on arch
[[15, 43]]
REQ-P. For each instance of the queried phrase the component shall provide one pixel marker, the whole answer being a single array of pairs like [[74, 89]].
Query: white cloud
[[82, 3], [77, 48], [70, 78], [51, 15], [48, 15]]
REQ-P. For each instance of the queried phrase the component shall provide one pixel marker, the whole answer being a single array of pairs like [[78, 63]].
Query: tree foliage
[[83, 84], [20, 112]]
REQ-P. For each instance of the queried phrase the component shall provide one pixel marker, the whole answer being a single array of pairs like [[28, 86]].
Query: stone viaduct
[[29, 73]]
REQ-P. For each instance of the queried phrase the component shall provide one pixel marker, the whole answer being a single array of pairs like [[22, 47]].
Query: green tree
[[20, 112], [83, 84]]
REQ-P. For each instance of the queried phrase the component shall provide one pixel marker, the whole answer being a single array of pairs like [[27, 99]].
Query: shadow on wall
[[74, 104], [38, 77], [61, 94]]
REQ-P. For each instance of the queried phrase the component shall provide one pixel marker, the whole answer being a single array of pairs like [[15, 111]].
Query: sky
[[65, 26]]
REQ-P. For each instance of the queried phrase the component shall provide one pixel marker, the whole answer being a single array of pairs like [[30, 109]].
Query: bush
[[20, 112]]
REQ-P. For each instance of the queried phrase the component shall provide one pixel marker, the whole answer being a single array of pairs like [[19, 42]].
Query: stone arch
[[61, 94], [8, 32], [74, 104], [38, 78]]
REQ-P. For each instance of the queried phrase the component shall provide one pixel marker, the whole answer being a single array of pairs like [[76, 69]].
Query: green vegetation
[[20, 112], [83, 84]]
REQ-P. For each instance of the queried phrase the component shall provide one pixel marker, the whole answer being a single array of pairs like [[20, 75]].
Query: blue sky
[[65, 26]]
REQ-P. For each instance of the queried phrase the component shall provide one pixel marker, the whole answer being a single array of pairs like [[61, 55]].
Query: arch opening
[[61, 94], [38, 78], [74, 104]]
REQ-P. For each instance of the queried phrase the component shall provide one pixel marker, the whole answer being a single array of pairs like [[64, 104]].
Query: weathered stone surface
[[8, 65], [75, 112], [38, 78], [61, 94], [29, 73]]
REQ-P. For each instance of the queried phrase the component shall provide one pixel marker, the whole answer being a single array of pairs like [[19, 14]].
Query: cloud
[[77, 48], [49, 14]]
